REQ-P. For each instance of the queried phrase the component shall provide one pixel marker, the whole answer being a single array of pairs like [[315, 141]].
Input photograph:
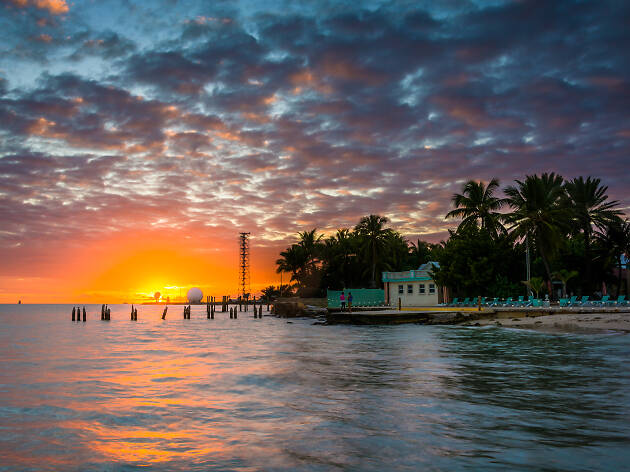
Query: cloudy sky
[[137, 138]]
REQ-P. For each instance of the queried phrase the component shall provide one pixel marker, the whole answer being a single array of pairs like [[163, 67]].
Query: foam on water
[[252, 394]]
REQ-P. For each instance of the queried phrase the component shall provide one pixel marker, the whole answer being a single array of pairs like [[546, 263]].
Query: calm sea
[[273, 395]]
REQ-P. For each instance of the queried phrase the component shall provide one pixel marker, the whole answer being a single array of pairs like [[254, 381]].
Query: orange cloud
[[54, 7]]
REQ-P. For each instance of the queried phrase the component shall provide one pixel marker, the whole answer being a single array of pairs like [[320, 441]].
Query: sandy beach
[[567, 322]]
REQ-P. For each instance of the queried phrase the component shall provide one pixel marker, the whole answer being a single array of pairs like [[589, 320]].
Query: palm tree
[[477, 206], [310, 242], [538, 213], [587, 200], [292, 260], [615, 238], [373, 241], [535, 284], [564, 276], [338, 253]]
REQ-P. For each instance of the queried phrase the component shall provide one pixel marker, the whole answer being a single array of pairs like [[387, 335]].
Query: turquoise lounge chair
[[454, 302], [621, 300], [603, 302], [572, 301], [508, 302], [563, 302], [583, 301]]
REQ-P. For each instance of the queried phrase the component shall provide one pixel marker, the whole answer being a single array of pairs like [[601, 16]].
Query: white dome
[[194, 295]]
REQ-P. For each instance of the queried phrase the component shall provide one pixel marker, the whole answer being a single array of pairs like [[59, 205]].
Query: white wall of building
[[424, 293]]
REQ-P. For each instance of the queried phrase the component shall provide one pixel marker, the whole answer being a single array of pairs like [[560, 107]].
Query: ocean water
[[273, 395]]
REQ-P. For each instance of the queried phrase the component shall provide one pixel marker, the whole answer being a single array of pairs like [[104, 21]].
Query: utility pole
[[527, 263]]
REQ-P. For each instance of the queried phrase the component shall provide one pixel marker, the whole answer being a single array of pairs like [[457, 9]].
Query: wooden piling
[[164, 313], [73, 313], [84, 315], [231, 314]]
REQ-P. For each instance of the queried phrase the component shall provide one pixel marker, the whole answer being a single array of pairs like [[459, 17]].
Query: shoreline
[[583, 319], [579, 322]]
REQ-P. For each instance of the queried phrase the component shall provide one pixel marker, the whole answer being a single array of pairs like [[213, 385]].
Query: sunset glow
[[137, 140]]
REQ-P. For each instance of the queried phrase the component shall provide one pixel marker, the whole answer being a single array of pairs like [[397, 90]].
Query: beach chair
[[537, 302], [508, 302], [454, 302], [602, 302], [520, 301], [583, 301], [621, 300], [572, 301], [494, 302], [465, 302], [563, 302]]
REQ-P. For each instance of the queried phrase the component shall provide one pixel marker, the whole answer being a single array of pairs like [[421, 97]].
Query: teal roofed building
[[413, 287]]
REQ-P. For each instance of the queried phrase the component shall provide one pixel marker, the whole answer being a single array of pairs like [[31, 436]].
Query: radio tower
[[244, 264]]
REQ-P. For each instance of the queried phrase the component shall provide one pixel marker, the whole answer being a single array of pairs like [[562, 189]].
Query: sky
[[138, 138]]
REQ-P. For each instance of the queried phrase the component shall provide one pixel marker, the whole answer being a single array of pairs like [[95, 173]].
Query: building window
[[400, 289], [409, 288], [421, 289], [431, 288]]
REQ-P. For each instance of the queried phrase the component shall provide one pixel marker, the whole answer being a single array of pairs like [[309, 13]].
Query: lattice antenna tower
[[244, 265]]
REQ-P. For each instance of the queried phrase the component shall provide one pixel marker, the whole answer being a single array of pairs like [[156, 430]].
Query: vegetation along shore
[[577, 240]]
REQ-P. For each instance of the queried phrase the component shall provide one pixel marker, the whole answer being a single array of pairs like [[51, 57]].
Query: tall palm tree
[[538, 213], [338, 252], [477, 206], [292, 260], [374, 237], [590, 208]]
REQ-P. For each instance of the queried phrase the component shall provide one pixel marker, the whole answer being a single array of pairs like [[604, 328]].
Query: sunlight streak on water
[[265, 394]]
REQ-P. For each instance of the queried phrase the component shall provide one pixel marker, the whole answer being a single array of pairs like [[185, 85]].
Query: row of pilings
[[243, 305], [76, 313]]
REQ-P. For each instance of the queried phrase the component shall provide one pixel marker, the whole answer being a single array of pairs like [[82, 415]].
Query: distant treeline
[[575, 234]]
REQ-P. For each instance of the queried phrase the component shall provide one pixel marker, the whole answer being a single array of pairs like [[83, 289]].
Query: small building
[[413, 287]]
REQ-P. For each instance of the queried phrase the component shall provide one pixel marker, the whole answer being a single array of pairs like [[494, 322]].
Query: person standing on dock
[[342, 299]]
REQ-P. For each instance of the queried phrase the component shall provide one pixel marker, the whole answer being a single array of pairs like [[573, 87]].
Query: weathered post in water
[[84, 315], [164, 313], [73, 313]]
